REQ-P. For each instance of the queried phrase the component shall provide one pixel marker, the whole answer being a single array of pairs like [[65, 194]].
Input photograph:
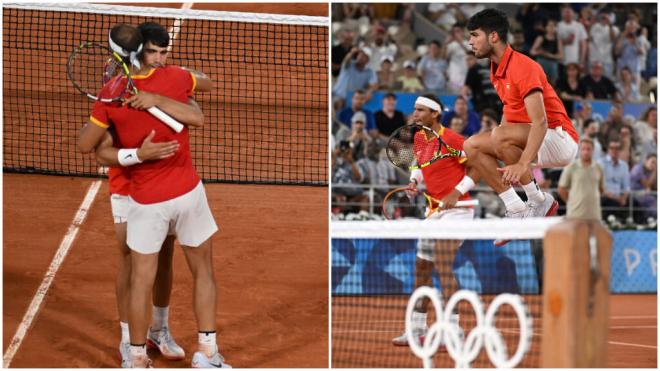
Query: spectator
[[598, 86], [357, 11], [340, 50], [603, 35], [643, 39], [651, 70], [357, 104], [626, 86], [530, 14], [380, 46], [445, 14], [591, 133], [627, 145], [617, 182], [470, 117], [488, 120], [644, 179], [587, 17], [457, 124], [580, 115], [385, 74], [549, 51], [410, 81], [612, 125], [359, 138], [570, 88], [630, 50], [388, 119], [456, 48], [355, 74], [573, 36], [643, 128], [479, 86], [519, 44], [345, 173], [375, 170], [433, 69], [649, 146], [581, 184]]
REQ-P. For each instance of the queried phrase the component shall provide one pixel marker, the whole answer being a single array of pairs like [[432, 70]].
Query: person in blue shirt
[[355, 74], [357, 104], [470, 117], [617, 182]]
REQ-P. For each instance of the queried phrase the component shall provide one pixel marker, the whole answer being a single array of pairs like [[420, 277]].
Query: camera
[[344, 146]]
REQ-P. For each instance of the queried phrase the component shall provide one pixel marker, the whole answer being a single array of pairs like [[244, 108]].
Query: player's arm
[[463, 187], [187, 113], [203, 83], [90, 136], [108, 155]]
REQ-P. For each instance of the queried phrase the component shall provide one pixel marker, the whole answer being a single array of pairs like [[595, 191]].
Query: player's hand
[[143, 100], [449, 201], [412, 191], [512, 173], [156, 151]]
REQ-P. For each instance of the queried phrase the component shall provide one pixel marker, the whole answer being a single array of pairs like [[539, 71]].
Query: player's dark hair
[[490, 20], [126, 36], [154, 33], [435, 99]]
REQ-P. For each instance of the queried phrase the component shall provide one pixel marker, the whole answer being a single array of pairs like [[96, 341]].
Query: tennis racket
[[398, 198], [102, 75], [417, 146]]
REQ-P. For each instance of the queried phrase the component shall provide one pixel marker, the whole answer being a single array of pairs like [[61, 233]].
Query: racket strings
[[96, 73]]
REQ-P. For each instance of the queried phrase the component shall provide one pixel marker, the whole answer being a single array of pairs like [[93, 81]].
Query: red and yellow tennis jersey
[[518, 75], [154, 181], [119, 180], [442, 176]]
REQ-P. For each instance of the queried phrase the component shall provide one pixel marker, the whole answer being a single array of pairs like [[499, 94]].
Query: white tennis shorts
[[188, 215], [557, 150], [119, 204], [426, 247]]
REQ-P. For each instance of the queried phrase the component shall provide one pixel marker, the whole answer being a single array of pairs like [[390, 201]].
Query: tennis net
[[375, 265], [266, 121]]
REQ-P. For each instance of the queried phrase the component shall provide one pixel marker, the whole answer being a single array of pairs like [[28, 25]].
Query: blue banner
[[634, 262]]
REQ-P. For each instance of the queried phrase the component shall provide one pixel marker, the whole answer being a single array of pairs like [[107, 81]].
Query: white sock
[[159, 317], [138, 351], [207, 343], [125, 336], [512, 201], [419, 320], [534, 193]]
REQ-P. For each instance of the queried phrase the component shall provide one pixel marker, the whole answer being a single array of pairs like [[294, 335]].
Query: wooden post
[[576, 303]]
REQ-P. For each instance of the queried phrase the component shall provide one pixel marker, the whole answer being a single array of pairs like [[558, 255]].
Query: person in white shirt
[[456, 50], [602, 36], [574, 37]]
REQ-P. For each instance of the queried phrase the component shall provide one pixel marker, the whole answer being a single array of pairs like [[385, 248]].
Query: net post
[[576, 294]]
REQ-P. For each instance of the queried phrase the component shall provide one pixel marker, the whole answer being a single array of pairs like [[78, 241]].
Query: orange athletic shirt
[[442, 176], [119, 180], [518, 75]]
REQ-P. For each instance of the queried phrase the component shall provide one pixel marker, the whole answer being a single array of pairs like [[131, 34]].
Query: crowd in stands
[[588, 52]]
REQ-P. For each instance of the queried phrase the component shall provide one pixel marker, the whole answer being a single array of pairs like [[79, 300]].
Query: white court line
[[176, 27], [61, 253], [634, 317], [633, 345]]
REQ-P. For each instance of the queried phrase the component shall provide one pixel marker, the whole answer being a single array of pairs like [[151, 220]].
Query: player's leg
[[194, 227], [146, 230], [119, 206], [160, 336], [423, 277]]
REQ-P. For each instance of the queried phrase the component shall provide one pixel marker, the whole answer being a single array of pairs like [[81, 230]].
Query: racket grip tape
[[166, 119]]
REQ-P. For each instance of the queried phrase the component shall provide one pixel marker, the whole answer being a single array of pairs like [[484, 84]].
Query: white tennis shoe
[[200, 360], [164, 342], [125, 352], [548, 207], [528, 212], [402, 341]]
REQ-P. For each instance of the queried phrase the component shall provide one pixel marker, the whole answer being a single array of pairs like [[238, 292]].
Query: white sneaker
[[548, 207], [163, 341], [200, 360], [125, 352], [514, 215], [402, 341], [140, 362]]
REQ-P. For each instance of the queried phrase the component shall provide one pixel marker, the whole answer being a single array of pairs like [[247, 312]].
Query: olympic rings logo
[[483, 334]]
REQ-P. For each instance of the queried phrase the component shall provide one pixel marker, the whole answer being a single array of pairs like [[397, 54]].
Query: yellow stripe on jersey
[[97, 122], [194, 80], [462, 160]]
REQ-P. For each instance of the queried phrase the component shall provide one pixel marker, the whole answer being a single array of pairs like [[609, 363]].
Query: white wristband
[[128, 156], [416, 176], [465, 185]]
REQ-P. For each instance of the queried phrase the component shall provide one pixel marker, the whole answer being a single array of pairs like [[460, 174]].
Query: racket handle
[[166, 119]]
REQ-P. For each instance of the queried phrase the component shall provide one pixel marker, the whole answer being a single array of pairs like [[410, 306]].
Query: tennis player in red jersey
[[159, 336], [164, 195], [535, 129], [449, 181]]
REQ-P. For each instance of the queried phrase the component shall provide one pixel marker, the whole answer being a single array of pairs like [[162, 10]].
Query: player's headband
[[132, 56], [426, 102]]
